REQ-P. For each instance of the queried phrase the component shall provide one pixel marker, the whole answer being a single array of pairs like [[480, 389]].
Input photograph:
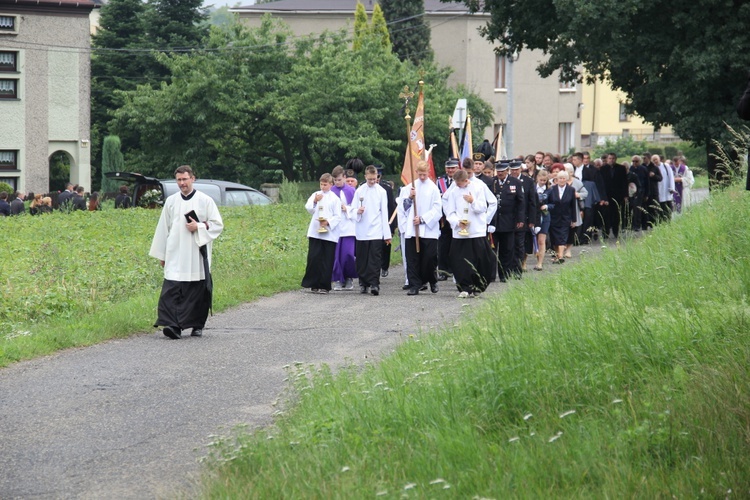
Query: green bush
[[6, 188]]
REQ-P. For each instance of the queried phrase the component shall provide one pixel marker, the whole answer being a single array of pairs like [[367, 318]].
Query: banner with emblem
[[416, 141], [466, 148]]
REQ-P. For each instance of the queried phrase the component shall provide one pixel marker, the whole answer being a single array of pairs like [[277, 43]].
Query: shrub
[[6, 187]]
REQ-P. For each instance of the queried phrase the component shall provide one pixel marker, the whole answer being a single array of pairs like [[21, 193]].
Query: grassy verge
[[623, 378], [81, 278]]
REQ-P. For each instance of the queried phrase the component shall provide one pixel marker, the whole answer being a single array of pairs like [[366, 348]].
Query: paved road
[[129, 418]]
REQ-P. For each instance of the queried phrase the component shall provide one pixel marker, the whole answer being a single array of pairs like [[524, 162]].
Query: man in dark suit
[[78, 202], [524, 236], [16, 206], [4, 205], [509, 218], [386, 263], [63, 199], [600, 211], [617, 191]]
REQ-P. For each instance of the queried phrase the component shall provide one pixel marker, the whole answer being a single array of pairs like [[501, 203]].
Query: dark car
[[224, 193]]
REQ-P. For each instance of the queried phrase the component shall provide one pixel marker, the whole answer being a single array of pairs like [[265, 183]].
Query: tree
[[379, 28], [361, 26], [112, 161], [676, 65], [410, 35], [268, 106]]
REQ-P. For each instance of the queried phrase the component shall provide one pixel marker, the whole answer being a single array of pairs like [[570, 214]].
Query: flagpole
[[406, 95]]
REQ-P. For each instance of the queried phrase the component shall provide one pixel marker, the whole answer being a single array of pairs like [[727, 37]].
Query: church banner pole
[[406, 96]]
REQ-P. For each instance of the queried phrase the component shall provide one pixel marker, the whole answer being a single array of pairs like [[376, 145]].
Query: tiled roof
[[341, 6], [88, 4]]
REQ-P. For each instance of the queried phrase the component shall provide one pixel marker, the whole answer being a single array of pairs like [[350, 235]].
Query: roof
[[66, 4], [430, 6]]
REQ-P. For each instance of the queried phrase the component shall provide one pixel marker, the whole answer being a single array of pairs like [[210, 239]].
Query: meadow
[[77, 279], [622, 377]]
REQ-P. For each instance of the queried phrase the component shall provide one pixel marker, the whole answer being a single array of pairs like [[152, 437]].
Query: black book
[[191, 215]]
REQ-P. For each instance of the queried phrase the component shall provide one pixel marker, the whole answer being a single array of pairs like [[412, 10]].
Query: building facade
[[44, 90], [532, 113], [604, 118]]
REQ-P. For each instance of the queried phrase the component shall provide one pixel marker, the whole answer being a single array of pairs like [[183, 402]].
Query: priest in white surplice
[[422, 266], [183, 245]]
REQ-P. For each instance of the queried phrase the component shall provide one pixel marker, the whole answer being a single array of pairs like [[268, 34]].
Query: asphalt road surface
[[130, 418]]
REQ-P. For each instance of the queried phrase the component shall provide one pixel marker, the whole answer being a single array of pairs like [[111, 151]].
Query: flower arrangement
[[151, 199]]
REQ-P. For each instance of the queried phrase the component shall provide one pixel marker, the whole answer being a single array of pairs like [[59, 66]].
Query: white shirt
[[372, 224], [176, 245], [328, 207], [458, 209], [429, 208]]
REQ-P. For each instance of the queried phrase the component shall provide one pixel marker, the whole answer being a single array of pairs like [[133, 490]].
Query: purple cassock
[[344, 265]]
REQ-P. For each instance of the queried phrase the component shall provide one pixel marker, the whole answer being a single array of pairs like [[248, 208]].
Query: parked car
[[224, 193]]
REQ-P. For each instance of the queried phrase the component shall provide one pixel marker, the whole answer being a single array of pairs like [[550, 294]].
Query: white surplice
[[176, 245]]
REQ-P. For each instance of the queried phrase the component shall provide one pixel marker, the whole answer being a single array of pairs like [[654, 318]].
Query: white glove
[[490, 229], [536, 230]]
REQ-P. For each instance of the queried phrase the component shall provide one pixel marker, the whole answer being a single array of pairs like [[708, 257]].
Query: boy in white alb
[[465, 210], [322, 236], [423, 212], [370, 213]]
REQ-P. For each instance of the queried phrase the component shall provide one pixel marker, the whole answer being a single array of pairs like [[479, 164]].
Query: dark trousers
[[385, 253], [320, 257], [636, 212], [585, 231], [369, 260], [505, 248], [520, 251], [444, 248], [601, 222], [617, 216], [421, 267], [666, 211]]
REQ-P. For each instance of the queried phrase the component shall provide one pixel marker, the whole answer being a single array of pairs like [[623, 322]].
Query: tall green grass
[[624, 377], [80, 278]]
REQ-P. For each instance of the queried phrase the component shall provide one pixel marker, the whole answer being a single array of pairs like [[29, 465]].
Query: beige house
[[44, 90], [603, 117], [533, 113]]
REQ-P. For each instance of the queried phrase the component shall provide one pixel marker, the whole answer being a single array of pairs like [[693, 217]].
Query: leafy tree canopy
[[410, 35], [257, 102], [680, 62]]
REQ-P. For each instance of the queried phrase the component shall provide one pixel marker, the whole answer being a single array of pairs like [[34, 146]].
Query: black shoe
[[412, 291], [197, 332], [375, 290], [423, 288], [384, 273], [405, 287], [434, 287], [172, 333], [362, 289]]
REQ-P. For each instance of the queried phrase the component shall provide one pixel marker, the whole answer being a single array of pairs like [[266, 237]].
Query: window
[[11, 181], [8, 88], [236, 198], [501, 67], [567, 86], [8, 61], [8, 159], [8, 24], [624, 117], [566, 140]]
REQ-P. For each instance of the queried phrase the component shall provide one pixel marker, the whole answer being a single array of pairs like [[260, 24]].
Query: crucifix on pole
[[406, 96]]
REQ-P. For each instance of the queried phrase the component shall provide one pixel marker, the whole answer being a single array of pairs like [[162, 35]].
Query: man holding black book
[[183, 240]]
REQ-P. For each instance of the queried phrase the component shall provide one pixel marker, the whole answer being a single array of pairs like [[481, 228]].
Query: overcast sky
[[230, 3]]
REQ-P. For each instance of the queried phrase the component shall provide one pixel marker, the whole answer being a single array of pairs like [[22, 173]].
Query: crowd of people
[[72, 198], [482, 219]]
